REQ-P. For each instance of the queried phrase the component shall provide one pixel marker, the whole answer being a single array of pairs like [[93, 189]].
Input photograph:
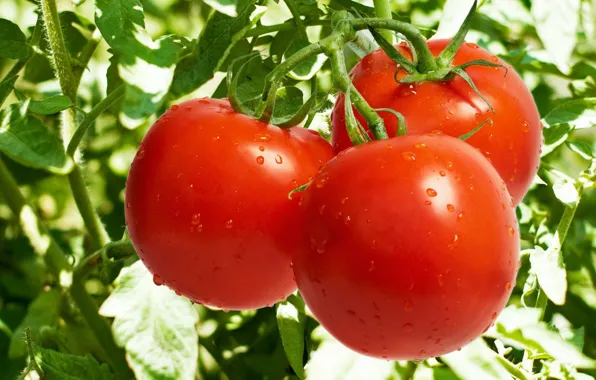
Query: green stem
[[426, 61], [297, 19], [85, 55], [90, 118], [258, 31], [31, 352], [68, 83], [513, 369], [342, 80], [541, 304], [383, 10], [100, 327], [41, 241], [99, 236], [60, 57]]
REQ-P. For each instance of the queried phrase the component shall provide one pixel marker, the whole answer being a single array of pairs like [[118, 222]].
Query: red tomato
[[207, 203], [512, 143], [410, 246]]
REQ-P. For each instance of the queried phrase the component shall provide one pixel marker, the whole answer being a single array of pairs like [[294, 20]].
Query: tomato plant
[[207, 201], [103, 104], [511, 142], [405, 272]]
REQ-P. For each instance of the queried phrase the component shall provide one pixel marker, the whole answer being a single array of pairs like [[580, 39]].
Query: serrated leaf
[[476, 361], [122, 25], [521, 328], [291, 321], [13, 43], [154, 325], [50, 106], [584, 149], [557, 23], [217, 39], [574, 114], [333, 361], [550, 271], [43, 311], [60, 366], [26, 140]]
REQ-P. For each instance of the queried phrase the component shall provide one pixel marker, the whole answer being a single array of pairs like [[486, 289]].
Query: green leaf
[[550, 271], [155, 326], [574, 114], [50, 106], [291, 321], [43, 311], [564, 188], [59, 366], [26, 140], [6, 87], [227, 7], [306, 69], [476, 361], [13, 43], [122, 24], [522, 328], [216, 41], [333, 361], [287, 103], [584, 149], [557, 22]]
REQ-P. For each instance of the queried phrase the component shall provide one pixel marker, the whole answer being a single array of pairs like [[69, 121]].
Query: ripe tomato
[[207, 203], [512, 143], [410, 246]]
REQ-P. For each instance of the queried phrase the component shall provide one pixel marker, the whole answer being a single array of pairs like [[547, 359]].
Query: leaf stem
[[100, 108], [342, 80], [383, 10], [85, 55], [31, 352]]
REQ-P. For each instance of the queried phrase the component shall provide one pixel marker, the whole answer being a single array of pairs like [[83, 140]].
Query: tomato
[[410, 246], [512, 143], [207, 203]]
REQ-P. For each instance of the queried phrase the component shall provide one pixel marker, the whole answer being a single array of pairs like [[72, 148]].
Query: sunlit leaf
[[13, 43], [550, 271], [290, 321], [56, 365]]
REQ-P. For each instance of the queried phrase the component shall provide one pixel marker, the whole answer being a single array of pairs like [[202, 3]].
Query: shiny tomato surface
[[512, 143], [207, 204], [410, 246]]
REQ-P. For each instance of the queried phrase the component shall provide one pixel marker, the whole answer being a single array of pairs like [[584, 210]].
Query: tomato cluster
[[403, 248]]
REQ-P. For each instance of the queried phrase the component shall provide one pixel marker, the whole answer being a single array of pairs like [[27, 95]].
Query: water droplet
[[203, 101], [322, 209], [278, 159], [510, 230], [351, 312], [140, 153], [229, 223], [216, 137], [344, 200], [157, 280], [441, 280], [512, 178], [408, 327], [262, 137], [449, 165], [188, 108], [260, 160], [472, 45], [371, 266], [408, 305], [128, 205], [321, 181], [195, 219], [438, 341], [408, 156], [494, 58], [461, 215], [420, 146], [428, 203], [347, 219], [261, 148], [525, 127], [236, 143], [494, 316], [471, 187], [431, 192], [422, 353], [508, 285], [450, 208], [175, 107], [442, 173]]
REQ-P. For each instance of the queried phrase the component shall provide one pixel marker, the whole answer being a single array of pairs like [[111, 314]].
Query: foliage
[[154, 53]]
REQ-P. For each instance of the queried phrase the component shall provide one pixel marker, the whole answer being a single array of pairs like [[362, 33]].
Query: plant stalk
[[383, 10]]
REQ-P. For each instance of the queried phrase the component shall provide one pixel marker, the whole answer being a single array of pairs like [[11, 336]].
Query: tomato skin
[[207, 203], [410, 246], [512, 143]]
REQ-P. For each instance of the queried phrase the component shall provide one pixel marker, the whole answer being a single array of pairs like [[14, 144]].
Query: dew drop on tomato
[[157, 280]]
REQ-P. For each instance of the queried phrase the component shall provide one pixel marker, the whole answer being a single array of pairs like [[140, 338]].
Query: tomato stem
[[393, 53], [258, 31], [383, 10], [343, 82], [426, 61], [446, 56], [296, 18]]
